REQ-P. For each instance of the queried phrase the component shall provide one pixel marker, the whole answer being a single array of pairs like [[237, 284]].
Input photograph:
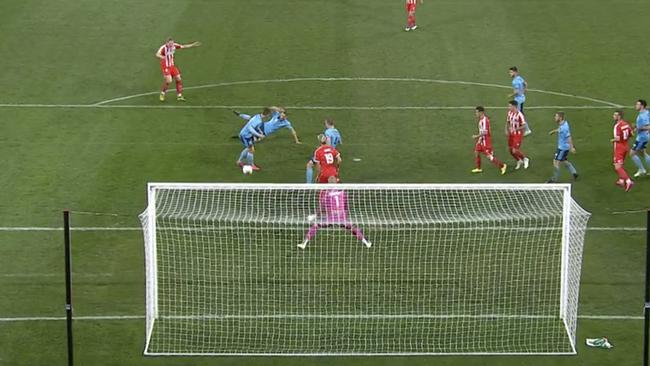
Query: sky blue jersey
[[334, 136], [252, 127], [563, 136], [276, 124], [519, 87], [643, 120]]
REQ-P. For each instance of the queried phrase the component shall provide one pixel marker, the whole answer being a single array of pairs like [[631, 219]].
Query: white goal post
[[406, 269]]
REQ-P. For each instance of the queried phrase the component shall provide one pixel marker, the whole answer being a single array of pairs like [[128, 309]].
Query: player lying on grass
[[277, 122], [642, 138], [484, 142], [333, 139], [564, 146], [515, 126], [246, 136], [333, 213], [622, 133], [169, 70]]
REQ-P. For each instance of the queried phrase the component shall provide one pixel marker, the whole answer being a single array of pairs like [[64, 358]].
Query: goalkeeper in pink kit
[[334, 206]]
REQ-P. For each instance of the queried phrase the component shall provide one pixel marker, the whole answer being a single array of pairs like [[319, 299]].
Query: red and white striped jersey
[[411, 2], [622, 133], [168, 54], [484, 130], [516, 121]]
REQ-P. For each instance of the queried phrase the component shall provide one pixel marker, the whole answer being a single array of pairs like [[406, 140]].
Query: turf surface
[[98, 159]]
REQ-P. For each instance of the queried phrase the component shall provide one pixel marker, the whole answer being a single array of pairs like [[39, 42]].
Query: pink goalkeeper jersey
[[334, 204]]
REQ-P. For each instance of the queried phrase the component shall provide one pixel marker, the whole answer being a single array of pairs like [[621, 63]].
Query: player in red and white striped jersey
[[515, 127], [411, 5], [484, 142], [622, 133], [166, 55]]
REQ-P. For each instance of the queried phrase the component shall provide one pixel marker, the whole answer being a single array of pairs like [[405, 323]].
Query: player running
[[622, 133], [333, 212], [411, 5], [247, 135], [278, 122], [515, 126], [169, 70], [484, 142], [564, 145], [333, 139], [642, 137], [327, 160], [519, 88]]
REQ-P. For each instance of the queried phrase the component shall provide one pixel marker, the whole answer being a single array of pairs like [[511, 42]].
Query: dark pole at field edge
[[68, 284]]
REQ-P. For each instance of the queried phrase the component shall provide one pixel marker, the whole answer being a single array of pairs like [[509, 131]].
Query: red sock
[[496, 162], [411, 20], [478, 161], [622, 174], [179, 87], [164, 88]]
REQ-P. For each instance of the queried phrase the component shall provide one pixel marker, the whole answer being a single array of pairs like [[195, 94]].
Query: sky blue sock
[[556, 173], [637, 161], [647, 159], [251, 158], [571, 168], [310, 175], [245, 116], [242, 156], [527, 129]]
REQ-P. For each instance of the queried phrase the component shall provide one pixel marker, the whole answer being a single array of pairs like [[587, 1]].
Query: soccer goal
[[404, 269]]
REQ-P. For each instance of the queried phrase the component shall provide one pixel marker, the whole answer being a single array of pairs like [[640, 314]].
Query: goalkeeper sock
[[310, 175], [245, 117], [571, 168], [637, 161], [311, 232]]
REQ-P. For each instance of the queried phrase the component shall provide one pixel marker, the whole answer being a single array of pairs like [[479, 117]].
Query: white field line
[[37, 229], [332, 79], [254, 107], [53, 275], [290, 316]]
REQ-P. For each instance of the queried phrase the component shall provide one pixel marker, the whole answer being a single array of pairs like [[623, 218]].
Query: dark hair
[[560, 113], [267, 111], [513, 103], [643, 102], [329, 122], [514, 68], [620, 112], [480, 109]]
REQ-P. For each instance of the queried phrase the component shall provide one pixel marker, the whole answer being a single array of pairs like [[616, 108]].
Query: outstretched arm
[[191, 45]]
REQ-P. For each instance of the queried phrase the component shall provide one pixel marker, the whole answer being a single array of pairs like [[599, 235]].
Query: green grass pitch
[[59, 151]]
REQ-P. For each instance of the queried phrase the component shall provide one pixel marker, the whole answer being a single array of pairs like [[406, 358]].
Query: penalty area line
[[289, 316], [252, 107]]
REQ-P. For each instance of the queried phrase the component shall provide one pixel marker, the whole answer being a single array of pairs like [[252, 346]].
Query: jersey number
[[329, 158]]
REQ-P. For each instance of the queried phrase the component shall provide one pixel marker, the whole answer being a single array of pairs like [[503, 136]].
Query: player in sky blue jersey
[[333, 139], [277, 122], [642, 138], [564, 146], [251, 130], [519, 88]]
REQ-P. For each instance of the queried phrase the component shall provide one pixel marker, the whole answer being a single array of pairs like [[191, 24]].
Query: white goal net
[[397, 270]]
